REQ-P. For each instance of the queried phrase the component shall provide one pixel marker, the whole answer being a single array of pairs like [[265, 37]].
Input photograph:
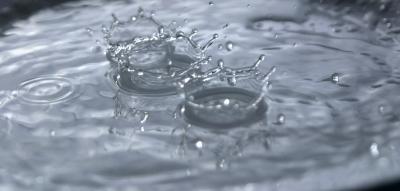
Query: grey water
[[326, 119]]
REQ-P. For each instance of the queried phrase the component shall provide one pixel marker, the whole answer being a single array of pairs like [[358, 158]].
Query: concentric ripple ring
[[47, 90]]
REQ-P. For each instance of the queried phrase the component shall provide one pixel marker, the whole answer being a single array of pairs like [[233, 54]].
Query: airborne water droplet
[[222, 164], [374, 150], [381, 109], [199, 144], [280, 119], [335, 78], [229, 45], [52, 133], [211, 3], [227, 102], [144, 118]]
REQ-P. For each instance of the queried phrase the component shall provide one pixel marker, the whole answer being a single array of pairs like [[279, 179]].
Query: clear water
[[332, 108]]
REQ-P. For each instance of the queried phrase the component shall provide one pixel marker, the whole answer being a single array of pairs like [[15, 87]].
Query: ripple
[[231, 113], [47, 89]]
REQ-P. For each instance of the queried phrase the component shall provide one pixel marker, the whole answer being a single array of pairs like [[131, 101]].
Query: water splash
[[221, 107], [150, 61]]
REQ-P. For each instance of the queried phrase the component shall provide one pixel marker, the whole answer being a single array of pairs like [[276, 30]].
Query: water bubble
[[229, 46], [280, 119], [47, 89]]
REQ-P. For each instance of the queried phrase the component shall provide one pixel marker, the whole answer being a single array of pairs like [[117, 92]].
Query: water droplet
[[90, 31], [227, 102], [280, 119], [381, 109], [335, 78], [199, 144], [229, 46], [220, 46], [145, 117], [211, 3], [220, 63], [374, 149], [222, 164]]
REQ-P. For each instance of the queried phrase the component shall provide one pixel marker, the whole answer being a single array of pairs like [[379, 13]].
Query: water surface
[[331, 121]]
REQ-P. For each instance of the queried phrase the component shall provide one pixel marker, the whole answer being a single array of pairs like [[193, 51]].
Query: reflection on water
[[74, 118]]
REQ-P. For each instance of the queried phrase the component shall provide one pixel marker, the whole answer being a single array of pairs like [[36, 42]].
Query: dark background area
[[11, 10]]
